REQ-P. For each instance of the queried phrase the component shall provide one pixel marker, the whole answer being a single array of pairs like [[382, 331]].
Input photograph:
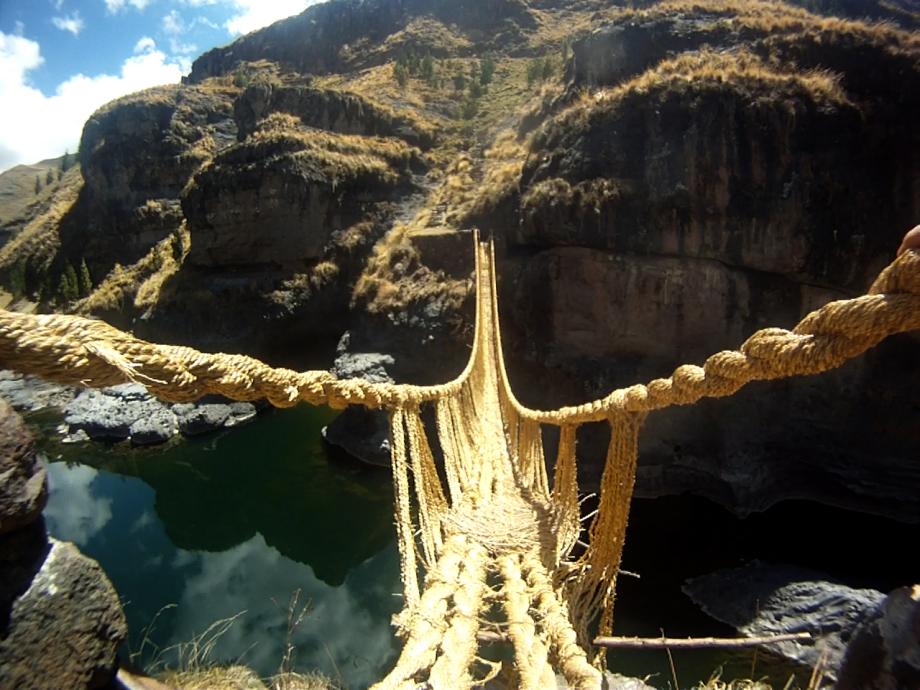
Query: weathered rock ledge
[[122, 413]]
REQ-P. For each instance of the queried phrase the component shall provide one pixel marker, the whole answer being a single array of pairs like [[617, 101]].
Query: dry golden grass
[[424, 33], [139, 285], [708, 70], [338, 156], [39, 240], [395, 278], [301, 681], [215, 678], [774, 16], [243, 678]]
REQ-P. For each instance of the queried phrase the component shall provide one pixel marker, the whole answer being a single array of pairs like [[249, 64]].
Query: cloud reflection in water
[[73, 512]]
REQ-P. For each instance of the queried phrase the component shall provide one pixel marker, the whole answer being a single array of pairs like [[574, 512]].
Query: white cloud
[[173, 24], [114, 6], [254, 14], [145, 44], [58, 4], [41, 126], [72, 23]]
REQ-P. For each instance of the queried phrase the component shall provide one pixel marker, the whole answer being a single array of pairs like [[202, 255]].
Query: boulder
[[201, 419], [157, 427], [884, 653], [30, 394], [762, 599], [23, 481], [64, 629], [106, 415], [363, 434], [128, 411]]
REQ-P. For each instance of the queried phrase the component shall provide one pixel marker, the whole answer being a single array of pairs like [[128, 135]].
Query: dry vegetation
[[139, 285], [772, 17], [395, 278], [339, 157], [39, 240], [708, 70]]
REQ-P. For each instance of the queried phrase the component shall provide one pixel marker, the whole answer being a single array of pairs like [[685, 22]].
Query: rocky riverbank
[[61, 620], [121, 413]]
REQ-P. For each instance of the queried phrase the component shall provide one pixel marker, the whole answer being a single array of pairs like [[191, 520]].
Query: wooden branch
[[488, 637], [696, 642]]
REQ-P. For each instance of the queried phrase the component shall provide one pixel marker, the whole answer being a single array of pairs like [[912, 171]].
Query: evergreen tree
[[38, 184], [49, 177], [459, 82], [68, 288], [86, 280], [65, 161], [475, 89], [486, 70], [534, 71], [427, 68], [400, 73]]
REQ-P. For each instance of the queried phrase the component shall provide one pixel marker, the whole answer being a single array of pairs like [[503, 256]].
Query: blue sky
[[60, 60]]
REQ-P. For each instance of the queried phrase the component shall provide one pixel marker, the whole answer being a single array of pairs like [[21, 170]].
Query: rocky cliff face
[[355, 34], [661, 180], [670, 206]]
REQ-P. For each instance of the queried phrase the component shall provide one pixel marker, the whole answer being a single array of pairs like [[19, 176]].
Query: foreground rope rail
[[493, 535]]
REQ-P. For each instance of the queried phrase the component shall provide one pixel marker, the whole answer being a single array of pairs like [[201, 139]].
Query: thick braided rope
[[426, 623], [554, 616], [530, 652], [451, 671], [76, 350], [823, 340]]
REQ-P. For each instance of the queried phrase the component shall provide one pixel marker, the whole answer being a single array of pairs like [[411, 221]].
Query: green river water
[[236, 523]]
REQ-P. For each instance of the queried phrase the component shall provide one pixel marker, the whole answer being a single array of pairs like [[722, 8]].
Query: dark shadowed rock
[[128, 411], [762, 599], [64, 629], [28, 393], [157, 427], [884, 653], [23, 482], [200, 419], [362, 433]]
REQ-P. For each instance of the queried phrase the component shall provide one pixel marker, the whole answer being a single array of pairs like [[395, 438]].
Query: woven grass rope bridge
[[489, 530]]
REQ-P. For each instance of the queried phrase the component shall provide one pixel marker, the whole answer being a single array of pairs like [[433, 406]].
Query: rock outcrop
[[760, 599], [297, 187], [23, 481], [884, 652], [322, 39], [326, 109], [64, 630], [136, 156], [61, 621], [129, 412], [691, 186]]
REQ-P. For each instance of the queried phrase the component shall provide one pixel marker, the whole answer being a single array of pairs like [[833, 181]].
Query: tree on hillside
[[66, 161], [49, 177], [486, 70], [400, 72], [427, 69], [86, 281], [38, 184]]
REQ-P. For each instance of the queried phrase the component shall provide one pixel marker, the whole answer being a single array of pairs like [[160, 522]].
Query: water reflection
[[76, 513], [238, 523]]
